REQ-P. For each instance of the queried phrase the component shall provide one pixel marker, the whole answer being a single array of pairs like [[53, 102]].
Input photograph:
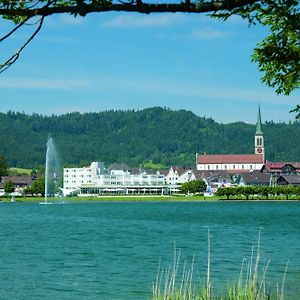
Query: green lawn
[[150, 165], [20, 171]]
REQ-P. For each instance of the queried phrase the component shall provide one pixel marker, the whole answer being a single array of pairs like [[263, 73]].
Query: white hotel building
[[119, 179]]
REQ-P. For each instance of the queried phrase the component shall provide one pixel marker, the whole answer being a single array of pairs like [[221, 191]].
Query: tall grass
[[251, 283]]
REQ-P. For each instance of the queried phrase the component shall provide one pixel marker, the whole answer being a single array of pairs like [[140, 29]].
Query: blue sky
[[132, 61]]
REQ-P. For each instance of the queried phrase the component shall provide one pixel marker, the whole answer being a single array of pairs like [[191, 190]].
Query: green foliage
[[194, 186], [135, 137], [38, 186], [227, 192], [3, 166], [19, 171], [260, 191], [9, 187], [278, 55], [153, 166]]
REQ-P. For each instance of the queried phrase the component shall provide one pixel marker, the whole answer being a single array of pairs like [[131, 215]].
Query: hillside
[[157, 134]]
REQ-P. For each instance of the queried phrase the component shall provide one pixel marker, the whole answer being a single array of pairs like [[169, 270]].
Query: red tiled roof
[[230, 159], [277, 166]]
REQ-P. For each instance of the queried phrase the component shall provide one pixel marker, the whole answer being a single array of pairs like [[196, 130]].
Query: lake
[[111, 250]]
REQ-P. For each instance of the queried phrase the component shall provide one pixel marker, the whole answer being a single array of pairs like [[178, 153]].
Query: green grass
[[140, 198], [150, 165], [20, 171], [171, 284], [118, 198]]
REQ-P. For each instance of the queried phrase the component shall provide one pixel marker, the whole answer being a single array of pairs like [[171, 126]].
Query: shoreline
[[140, 198]]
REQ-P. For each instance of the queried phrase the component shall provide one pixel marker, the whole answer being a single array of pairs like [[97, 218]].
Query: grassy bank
[[154, 198], [111, 198]]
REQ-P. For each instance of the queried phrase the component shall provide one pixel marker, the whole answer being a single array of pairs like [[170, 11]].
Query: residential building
[[255, 178], [20, 183], [289, 179]]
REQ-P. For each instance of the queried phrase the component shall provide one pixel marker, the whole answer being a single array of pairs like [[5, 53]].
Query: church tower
[[259, 137]]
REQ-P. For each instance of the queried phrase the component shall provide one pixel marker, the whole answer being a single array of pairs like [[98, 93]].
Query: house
[[177, 176], [236, 162], [255, 178], [214, 179], [280, 168], [290, 179], [20, 183]]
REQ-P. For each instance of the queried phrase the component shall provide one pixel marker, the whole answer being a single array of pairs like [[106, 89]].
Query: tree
[[194, 186], [9, 187], [38, 186], [277, 55], [3, 166], [226, 191]]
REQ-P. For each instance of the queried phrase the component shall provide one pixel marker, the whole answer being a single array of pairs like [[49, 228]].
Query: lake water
[[111, 250]]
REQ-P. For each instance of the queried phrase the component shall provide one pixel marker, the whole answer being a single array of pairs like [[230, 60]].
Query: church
[[236, 162]]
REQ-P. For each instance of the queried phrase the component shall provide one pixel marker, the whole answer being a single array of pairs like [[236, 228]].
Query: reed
[[251, 284]]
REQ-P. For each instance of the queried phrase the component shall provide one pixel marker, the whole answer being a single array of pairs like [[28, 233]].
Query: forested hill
[[157, 134]]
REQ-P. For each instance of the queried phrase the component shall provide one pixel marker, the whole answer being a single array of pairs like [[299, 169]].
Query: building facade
[[95, 180], [236, 162]]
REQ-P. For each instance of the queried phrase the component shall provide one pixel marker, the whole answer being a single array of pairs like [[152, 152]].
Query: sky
[[132, 61]]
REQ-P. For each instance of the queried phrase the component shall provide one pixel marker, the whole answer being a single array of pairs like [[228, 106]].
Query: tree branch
[[195, 7], [16, 55], [13, 30]]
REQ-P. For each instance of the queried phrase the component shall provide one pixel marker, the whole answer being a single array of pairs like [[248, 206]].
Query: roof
[[270, 167], [290, 179], [256, 178], [163, 172], [181, 170], [211, 174], [17, 180], [121, 166], [230, 159]]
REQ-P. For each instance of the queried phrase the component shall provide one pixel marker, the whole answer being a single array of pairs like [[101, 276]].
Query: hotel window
[[243, 167], [233, 167], [217, 167], [208, 167], [250, 167], [225, 167]]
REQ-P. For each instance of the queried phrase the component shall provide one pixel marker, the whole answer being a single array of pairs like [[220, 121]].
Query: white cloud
[[208, 33], [139, 21], [194, 90], [44, 83], [71, 20]]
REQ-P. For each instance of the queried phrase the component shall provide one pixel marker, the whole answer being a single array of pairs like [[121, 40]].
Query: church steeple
[[259, 137], [258, 123]]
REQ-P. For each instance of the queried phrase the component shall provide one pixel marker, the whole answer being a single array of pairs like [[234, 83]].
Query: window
[[217, 167], [225, 167], [208, 167], [233, 167], [250, 167], [243, 167]]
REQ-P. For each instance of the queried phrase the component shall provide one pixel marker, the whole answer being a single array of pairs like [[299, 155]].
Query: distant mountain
[[157, 134]]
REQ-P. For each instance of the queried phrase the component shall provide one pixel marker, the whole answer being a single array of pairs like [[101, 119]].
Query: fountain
[[53, 174]]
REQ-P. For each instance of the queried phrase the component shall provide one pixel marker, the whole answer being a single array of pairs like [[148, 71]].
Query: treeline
[[260, 192], [155, 134]]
